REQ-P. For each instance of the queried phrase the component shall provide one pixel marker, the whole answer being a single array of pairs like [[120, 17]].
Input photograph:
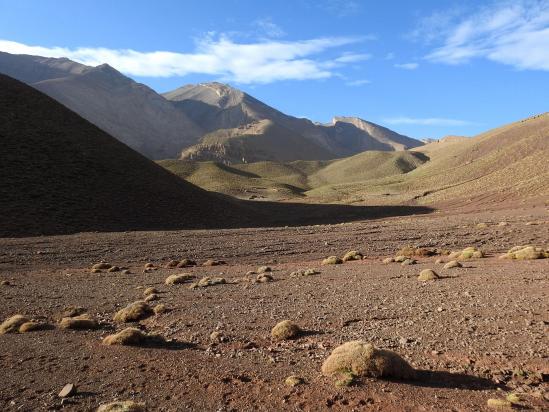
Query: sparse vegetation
[[133, 336], [294, 380], [79, 322], [160, 308], [526, 253], [304, 272], [150, 291], [332, 260], [410, 251], [122, 406], [352, 255], [133, 312], [285, 330], [208, 281], [498, 403], [452, 264], [214, 262], [264, 269], [427, 274], [363, 359], [467, 253], [179, 278], [12, 324], [33, 326], [388, 260], [264, 278]]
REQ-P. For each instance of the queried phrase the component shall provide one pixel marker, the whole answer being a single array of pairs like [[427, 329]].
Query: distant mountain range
[[210, 121]]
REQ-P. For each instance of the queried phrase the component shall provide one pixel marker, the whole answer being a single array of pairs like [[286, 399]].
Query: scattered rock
[[216, 336], [133, 312], [68, 390], [285, 330], [503, 224], [122, 406], [363, 359], [264, 269], [12, 324], [133, 336], [5, 283], [96, 271], [293, 380], [149, 265], [400, 258], [427, 274], [388, 260], [177, 279], [409, 262], [452, 264], [80, 322], [71, 311], [172, 264], [113, 269], [186, 263], [352, 255], [126, 272], [332, 260]]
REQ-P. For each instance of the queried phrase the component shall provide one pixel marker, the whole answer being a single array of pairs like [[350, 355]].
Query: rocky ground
[[478, 332]]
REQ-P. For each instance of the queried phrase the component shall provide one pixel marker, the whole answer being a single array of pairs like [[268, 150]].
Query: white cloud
[[429, 121], [513, 33], [359, 82], [407, 66], [260, 62]]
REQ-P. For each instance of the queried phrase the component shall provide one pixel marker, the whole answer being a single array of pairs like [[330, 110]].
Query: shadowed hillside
[[61, 174]]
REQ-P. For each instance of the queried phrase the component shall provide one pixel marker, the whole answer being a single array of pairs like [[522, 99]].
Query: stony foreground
[[479, 332]]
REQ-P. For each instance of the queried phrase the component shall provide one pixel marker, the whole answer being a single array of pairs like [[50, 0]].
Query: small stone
[[68, 390], [293, 380]]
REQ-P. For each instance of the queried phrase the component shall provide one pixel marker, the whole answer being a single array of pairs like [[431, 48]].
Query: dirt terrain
[[478, 332]]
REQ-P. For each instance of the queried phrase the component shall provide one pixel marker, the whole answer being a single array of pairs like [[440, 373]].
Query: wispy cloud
[[257, 62], [513, 33], [407, 66], [357, 83], [269, 28], [427, 121]]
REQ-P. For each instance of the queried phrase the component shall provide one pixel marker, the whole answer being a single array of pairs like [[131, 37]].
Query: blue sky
[[423, 68]]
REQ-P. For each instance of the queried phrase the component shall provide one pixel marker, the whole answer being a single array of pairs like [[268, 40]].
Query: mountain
[[129, 111], [61, 174], [505, 163], [228, 114]]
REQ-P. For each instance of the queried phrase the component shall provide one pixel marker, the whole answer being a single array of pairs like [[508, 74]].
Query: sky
[[425, 68]]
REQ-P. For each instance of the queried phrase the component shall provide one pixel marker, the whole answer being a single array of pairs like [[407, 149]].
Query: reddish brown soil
[[477, 333]]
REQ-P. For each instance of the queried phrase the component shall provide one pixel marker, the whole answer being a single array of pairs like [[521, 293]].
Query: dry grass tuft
[[467, 253], [388, 260], [304, 272], [122, 406], [113, 269], [152, 297], [294, 380], [409, 262], [332, 260], [150, 290], [133, 312], [264, 278], [213, 262], [427, 274], [400, 258], [410, 251], [133, 336], [264, 269], [527, 252], [285, 330], [498, 403], [352, 255], [80, 322], [452, 264], [363, 359], [183, 263], [12, 324], [160, 308], [177, 279], [101, 266], [33, 326], [208, 281]]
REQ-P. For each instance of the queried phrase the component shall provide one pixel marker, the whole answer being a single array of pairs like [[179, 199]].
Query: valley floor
[[479, 332]]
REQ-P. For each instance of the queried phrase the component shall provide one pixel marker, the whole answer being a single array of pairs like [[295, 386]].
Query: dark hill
[[61, 174]]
